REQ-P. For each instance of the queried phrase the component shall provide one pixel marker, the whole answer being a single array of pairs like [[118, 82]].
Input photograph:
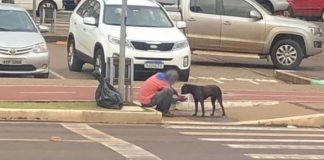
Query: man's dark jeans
[[162, 100]]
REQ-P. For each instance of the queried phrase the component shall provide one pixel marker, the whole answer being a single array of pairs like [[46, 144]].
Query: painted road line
[[43, 140], [211, 79], [257, 146], [262, 140], [47, 92], [286, 156], [57, 75], [266, 80], [247, 80], [192, 127], [61, 43], [128, 150], [249, 134]]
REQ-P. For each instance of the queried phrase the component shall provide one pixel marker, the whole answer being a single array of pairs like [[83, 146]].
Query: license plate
[[154, 65], [11, 61]]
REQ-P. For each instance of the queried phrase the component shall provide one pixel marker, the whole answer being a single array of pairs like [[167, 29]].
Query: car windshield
[[258, 3], [15, 21], [139, 16]]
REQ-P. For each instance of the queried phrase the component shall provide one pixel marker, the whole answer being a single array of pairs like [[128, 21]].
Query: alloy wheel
[[98, 64], [286, 55], [71, 54]]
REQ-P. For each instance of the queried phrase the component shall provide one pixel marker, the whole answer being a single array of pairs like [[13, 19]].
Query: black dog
[[200, 93]]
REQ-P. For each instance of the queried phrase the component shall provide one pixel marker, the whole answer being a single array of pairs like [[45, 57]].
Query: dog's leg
[[196, 108], [220, 101], [202, 108], [213, 101]]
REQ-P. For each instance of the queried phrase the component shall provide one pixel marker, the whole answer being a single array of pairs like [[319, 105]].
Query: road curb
[[290, 76], [54, 38], [149, 116], [314, 120]]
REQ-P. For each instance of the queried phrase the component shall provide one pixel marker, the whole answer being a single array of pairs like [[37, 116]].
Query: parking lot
[[220, 69]]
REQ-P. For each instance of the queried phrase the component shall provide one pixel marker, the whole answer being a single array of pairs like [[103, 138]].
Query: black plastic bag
[[107, 96]]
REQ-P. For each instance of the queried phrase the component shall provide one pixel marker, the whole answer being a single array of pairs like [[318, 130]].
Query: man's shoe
[[167, 114]]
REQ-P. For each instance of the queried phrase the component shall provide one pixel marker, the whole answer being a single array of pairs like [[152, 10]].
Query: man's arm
[[175, 92]]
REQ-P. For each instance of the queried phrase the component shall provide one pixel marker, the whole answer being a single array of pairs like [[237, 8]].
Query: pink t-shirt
[[150, 87]]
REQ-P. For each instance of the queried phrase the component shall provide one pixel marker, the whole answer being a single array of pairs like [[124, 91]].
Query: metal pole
[[121, 76], [34, 10]]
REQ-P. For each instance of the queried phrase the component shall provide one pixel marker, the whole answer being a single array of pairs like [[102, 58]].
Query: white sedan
[[23, 50]]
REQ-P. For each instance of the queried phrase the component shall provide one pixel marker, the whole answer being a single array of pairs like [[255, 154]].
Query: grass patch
[[51, 105]]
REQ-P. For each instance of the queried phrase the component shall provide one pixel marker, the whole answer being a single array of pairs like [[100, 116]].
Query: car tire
[[42, 75], [287, 54], [99, 64], [184, 75], [322, 16], [74, 63]]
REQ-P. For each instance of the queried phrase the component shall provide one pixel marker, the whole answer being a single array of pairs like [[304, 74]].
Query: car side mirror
[[181, 24], [90, 21], [255, 15], [43, 29]]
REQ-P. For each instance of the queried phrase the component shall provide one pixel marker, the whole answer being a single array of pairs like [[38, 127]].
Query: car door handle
[[191, 19], [227, 23]]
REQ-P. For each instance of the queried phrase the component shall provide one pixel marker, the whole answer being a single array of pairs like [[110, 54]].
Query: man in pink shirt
[[157, 91]]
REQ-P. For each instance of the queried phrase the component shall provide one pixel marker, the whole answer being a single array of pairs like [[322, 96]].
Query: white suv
[[153, 40]]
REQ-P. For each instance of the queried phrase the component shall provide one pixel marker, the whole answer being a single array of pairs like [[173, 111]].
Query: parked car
[[274, 6], [70, 4], [22, 48], [307, 8], [244, 27], [28, 4], [153, 40]]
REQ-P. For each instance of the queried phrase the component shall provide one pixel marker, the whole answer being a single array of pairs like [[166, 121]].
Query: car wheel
[[287, 54], [184, 75], [99, 62], [41, 75], [322, 16], [74, 63]]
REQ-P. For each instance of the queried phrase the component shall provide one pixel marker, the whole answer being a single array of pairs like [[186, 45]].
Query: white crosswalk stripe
[[250, 134], [197, 127], [262, 146], [261, 142], [285, 156]]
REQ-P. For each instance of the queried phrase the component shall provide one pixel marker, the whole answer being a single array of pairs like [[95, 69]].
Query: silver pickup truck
[[245, 28]]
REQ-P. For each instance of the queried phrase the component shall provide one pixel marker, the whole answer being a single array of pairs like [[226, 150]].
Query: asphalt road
[[52, 141]]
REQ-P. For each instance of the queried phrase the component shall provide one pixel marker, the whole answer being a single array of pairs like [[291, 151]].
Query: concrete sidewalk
[[243, 103]]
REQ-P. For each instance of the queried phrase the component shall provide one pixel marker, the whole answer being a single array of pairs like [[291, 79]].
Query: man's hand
[[182, 98]]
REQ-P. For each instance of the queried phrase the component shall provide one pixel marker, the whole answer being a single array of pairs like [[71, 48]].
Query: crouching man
[[157, 91]]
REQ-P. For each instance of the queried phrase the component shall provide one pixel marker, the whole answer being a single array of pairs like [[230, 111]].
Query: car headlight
[[40, 48], [116, 40], [316, 31], [180, 45]]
